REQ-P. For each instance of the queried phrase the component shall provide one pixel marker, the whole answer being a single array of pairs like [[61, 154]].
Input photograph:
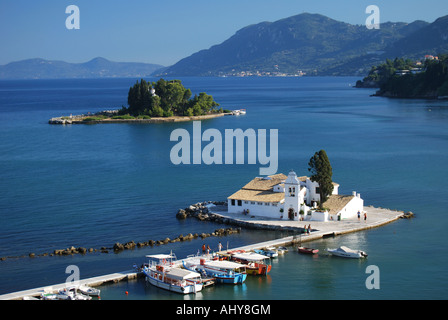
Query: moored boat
[[307, 250], [222, 271], [89, 291], [345, 252], [271, 252], [282, 250], [161, 273], [256, 264]]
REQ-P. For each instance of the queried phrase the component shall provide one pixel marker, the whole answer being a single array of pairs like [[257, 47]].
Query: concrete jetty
[[376, 217], [92, 282]]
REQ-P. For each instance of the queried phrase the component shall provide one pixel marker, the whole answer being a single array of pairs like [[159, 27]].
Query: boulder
[[117, 247], [181, 214]]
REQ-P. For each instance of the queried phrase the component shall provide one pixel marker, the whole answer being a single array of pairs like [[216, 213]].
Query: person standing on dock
[[365, 216], [219, 246]]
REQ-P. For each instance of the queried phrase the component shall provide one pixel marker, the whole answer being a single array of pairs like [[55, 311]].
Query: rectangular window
[[266, 203], [317, 190], [240, 203], [252, 202], [246, 202], [260, 203], [233, 202]]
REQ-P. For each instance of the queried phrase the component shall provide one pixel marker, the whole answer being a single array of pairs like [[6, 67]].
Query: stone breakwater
[[131, 245]]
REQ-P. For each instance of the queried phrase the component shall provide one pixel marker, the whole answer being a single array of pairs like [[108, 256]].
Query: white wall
[[256, 209]]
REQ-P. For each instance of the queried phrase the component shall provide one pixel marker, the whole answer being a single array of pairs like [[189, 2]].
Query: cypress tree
[[321, 171]]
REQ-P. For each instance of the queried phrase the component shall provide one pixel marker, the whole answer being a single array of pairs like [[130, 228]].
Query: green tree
[[321, 171]]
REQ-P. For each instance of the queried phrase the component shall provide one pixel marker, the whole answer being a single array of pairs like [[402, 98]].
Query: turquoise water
[[94, 185]]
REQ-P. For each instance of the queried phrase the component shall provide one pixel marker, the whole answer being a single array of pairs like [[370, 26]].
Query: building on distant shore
[[292, 198]]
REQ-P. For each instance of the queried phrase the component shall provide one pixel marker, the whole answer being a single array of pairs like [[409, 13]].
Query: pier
[[376, 217], [92, 282]]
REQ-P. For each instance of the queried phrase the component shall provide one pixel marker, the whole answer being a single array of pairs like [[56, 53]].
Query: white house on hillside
[[291, 197]]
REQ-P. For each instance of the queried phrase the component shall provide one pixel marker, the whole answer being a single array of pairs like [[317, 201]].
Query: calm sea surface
[[94, 185]]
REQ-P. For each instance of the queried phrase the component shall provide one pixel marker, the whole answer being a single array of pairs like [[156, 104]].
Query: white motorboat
[[161, 273], [70, 293], [89, 291], [345, 252], [282, 250], [270, 252]]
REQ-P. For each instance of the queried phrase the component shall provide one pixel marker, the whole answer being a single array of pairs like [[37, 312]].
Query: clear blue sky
[[163, 32]]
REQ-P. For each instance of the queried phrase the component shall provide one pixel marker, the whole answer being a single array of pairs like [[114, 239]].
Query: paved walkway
[[375, 218]]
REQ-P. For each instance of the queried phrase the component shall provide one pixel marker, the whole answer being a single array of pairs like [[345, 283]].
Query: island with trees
[[403, 78], [153, 102]]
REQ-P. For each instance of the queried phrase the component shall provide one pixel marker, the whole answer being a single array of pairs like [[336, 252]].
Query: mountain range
[[314, 44], [95, 68], [306, 43]]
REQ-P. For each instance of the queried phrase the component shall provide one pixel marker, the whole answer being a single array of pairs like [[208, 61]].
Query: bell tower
[[292, 189]]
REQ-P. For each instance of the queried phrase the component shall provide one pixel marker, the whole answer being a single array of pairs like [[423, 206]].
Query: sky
[[163, 32]]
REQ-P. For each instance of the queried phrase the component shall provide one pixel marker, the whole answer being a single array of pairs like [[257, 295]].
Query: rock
[[82, 250], [408, 215], [181, 214], [117, 247], [129, 245], [32, 255]]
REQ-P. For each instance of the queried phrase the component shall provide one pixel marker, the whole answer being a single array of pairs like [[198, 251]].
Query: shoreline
[[82, 119]]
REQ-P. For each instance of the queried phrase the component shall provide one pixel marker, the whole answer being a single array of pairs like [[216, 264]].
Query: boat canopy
[[224, 264], [345, 249], [250, 256], [160, 256], [181, 274]]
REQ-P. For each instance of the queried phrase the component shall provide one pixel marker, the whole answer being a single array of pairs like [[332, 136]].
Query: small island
[[404, 78], [154, 102]]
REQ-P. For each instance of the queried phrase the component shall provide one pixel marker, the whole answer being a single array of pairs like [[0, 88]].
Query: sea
[[94, 185]]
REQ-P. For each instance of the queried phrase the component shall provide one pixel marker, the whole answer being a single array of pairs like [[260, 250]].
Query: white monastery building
[[294, 198]]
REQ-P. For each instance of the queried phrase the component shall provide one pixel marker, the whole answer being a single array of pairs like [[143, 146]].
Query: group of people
[[365, 216], [307, 229], [206, 249]]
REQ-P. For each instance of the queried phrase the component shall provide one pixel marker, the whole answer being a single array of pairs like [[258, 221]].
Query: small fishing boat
[[66, 293], [270, 252], [345, 252], [222, 271], [307, 250], [256, 264], [70, 293], [161, 273], [89, 291], [282, 250], [48, 296]]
